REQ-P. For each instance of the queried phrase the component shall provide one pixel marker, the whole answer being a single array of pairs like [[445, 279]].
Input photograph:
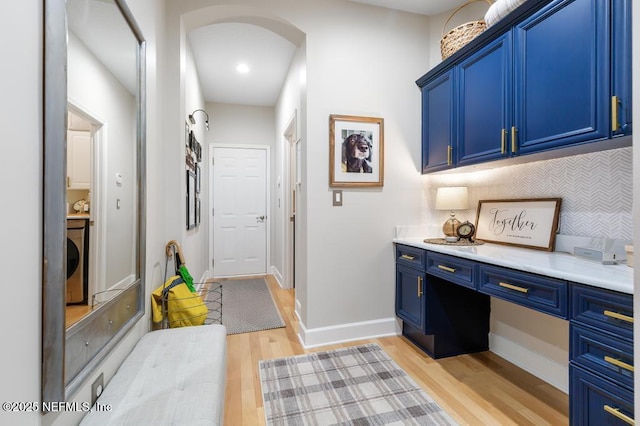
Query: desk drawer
[[411, 256], [595, 401], [602, 353], [452, 269], [604, 309], [543, 294]]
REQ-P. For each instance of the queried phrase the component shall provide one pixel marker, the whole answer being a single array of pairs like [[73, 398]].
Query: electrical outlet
[[96, 388]]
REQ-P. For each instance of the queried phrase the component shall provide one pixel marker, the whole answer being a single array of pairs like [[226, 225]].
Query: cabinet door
[[561, 86], [621, 68], [438, 124], [485, 99], [410, 304], [78, 159]]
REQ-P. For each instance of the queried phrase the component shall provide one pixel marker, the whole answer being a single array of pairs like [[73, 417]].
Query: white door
[[239, 211]]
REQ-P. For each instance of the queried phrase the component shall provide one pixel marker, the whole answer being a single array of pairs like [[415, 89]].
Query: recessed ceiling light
[[242, 68]]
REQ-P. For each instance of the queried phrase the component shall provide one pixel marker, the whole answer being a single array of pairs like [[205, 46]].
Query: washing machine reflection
[[77, 261]]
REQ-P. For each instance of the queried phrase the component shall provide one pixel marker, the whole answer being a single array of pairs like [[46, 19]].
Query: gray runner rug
[[247, 306], [359, 385]]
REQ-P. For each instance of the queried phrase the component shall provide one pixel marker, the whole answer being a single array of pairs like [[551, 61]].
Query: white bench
[[172, 377]]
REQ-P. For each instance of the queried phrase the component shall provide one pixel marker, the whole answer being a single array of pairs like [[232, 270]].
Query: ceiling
[[219, 48]]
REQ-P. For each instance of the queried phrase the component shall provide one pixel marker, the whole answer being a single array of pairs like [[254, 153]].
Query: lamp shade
[[452, 198]]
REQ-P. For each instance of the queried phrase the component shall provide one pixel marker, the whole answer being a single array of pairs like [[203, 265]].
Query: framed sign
[[530, 223], [356, 151]]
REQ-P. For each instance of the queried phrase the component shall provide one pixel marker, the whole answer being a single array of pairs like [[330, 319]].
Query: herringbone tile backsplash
[[596, 191]]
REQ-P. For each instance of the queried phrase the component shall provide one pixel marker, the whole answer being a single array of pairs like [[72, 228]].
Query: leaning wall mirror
[[94, 183]]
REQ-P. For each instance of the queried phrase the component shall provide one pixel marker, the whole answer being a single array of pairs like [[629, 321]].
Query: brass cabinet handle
[[503, 141], [68, 181], [406, 256], [514, 131], [419, 286], [449, 149], [619, 363], [513, 287], [616, 412], [615, 126], [621, 317], [446, 268]]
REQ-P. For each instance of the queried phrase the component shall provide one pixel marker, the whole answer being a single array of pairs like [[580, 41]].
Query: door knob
[[260, 218]]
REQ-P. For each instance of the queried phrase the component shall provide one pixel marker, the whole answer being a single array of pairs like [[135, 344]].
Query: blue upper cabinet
[[484, 111], [621, 68], [561, 60], [438, 124], [553, 74]]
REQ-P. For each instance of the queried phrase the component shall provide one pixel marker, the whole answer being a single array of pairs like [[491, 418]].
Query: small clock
[[466, 230]]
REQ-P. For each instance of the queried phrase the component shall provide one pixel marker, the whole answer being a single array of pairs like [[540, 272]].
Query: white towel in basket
[[500, 9]]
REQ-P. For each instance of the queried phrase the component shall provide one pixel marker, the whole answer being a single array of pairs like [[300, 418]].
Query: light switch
[[118, 203], [337, 197]]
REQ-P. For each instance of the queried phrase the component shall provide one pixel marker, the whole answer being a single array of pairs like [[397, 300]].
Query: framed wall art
[[530, 223], [191, 200], [356, 151], [198, 173]]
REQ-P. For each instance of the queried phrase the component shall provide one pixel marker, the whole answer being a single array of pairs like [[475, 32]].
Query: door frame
[[98, 190], [290, 146], [210, 214]]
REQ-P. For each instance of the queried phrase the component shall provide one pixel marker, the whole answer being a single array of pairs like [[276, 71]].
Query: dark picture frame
[[197, 211], [191, 197], [356, 151], [198, 174], [187, 132], [530, 222]]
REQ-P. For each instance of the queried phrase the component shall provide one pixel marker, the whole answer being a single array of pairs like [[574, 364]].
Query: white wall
[[21, 36], [194, 241], [290, 106]]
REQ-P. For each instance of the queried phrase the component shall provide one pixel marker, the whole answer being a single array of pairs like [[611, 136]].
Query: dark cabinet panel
[[438, 123], [485, 101], [556, 76], [595, 401], [561, 59], [410, 306]]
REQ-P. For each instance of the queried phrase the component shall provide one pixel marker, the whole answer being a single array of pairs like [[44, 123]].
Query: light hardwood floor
[[476, 389]]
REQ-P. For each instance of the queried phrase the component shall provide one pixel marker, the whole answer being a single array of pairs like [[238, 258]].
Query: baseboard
[[550, 371], [323, 336], [278, 276], [297, 310], [203, 279]]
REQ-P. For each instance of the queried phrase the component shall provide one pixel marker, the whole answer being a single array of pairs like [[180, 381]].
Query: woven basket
[[452, 41]]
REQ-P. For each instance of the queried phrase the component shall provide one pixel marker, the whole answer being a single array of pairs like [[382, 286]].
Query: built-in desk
[[443, 297]]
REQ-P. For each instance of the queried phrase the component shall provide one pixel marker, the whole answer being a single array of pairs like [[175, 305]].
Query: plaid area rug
[[359, 385]]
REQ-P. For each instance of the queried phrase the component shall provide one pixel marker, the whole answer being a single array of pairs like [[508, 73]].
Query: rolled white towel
[[500, 9]]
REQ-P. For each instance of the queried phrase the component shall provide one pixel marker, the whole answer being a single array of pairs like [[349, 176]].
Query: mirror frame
[[54, 234]]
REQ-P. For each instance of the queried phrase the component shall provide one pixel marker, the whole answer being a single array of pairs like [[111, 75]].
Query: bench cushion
[[174, 376]]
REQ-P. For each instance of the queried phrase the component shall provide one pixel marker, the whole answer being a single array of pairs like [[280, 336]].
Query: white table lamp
[[452, 198]]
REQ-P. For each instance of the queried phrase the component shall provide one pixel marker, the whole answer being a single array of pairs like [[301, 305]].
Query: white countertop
[[78, 216], [552, 264]]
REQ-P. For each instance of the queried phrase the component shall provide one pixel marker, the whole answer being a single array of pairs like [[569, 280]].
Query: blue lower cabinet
[[595, 401], [602, 353], [456, 320], [544, 294], [410, 306]]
